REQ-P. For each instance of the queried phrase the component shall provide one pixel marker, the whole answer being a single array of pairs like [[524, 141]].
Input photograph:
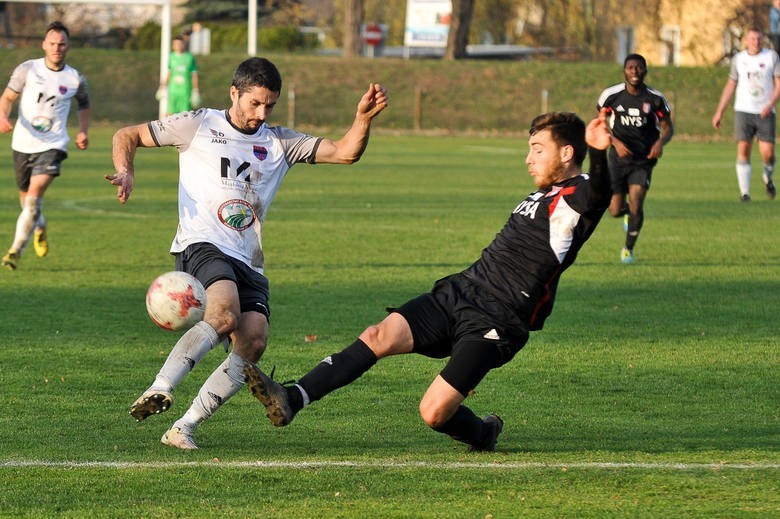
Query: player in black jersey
[[480, 317], [641, 125]]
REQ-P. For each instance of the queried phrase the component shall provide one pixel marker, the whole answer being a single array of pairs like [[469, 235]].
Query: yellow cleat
[[39, 242], [11, 259]]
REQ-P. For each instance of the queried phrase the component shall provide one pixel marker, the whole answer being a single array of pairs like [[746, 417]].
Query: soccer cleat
[[625, 222], [11, 260], [493, 426], [271, 394], [744, 198], [40, 244], [626, 256], [153, 401], [770, 190], [179, 438]]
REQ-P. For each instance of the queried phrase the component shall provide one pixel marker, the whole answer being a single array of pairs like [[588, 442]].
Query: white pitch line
[[385, 464]]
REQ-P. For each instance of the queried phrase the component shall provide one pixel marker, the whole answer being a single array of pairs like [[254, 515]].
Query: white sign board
[[427, 23]]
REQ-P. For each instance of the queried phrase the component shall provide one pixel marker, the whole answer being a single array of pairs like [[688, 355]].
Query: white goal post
[[165, 24]]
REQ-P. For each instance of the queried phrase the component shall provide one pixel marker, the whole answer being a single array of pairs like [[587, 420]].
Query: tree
[[353, 19], [462, 12]]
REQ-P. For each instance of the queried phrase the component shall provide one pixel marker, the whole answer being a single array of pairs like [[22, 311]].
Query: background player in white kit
[[755, 78], [231, 164], [40, 141]]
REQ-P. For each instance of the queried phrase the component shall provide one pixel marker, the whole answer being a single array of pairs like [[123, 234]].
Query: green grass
[[652, 391]]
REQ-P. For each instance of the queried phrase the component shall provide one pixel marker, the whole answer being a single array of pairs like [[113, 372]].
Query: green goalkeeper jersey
[[181, 67]]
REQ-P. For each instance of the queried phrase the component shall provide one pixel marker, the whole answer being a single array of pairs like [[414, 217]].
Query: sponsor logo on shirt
[[236, 214], [217, 137]]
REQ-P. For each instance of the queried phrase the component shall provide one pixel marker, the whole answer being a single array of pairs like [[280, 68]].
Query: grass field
[[652, 392]]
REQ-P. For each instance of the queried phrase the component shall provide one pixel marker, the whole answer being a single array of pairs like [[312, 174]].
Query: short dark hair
[[257, 72], [566, 129], [637, 57], [56, 26]]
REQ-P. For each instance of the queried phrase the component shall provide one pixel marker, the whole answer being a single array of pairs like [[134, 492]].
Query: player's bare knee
[[379, 340], [433, 416], [224, 322], [250, 349]]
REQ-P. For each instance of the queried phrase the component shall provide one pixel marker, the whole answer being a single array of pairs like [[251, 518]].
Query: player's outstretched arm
[[599, 139], [125, 143], [597, 132], [350, 148]]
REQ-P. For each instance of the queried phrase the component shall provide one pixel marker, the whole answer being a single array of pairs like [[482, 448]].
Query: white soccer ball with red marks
[[176, 301]]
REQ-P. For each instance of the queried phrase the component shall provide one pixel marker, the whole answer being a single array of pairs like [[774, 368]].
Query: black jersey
[[521, 267], [635, 119]]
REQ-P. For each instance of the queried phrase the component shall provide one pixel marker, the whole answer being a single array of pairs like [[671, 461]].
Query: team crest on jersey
[[236, 214], [63, 89], [41, 123], [261, 152], [646, 108]]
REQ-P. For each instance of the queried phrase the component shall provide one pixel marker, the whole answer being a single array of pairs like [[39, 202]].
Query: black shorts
[[625, 172], [29, 164], [209, 264], [448, 322]]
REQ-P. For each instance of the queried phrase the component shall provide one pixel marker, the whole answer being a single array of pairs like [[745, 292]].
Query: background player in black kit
[[481, 316], [636, 111]]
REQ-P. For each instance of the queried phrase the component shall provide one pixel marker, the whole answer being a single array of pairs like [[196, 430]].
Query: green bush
[[228, 37], [285, 38], [147, 37]]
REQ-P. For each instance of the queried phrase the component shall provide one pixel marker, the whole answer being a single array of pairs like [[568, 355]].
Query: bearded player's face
[[251, 108], [546, 159]]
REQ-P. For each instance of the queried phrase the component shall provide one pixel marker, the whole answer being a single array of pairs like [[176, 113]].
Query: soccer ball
[[176, 301]]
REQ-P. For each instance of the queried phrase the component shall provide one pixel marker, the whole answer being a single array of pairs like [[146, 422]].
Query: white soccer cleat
[[153, 401], [179, 438]]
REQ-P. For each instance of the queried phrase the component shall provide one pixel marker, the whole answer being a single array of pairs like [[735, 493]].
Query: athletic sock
[[40, 223], [31, 210], [464, 426], [223, 383], [297, 397], [634, 226], [768, 172], [337, 370], [188, 351], [743, 177]]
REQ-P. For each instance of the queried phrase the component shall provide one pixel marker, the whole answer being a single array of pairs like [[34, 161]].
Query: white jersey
[[755, 76], [44, 105], [228, 178]]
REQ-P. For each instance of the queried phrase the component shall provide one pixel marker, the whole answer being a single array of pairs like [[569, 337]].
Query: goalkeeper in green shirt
[[180, 84]]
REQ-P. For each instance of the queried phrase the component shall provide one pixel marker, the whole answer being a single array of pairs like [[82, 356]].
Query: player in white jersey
[[755, 79], [231, 163], [40, 141]]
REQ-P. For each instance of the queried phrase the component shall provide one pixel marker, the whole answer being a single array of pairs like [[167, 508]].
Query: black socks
[[336, 371], [464, 426]]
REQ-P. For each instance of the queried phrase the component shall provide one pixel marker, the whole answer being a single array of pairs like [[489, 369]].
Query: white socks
[[222, 384], [188, 351], [769, 170], [31, 212]]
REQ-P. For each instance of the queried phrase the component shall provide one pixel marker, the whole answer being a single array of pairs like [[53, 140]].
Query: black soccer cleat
[[770, 190], [271, 394], [493, 427]]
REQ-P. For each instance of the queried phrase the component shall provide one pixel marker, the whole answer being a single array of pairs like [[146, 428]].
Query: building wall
[[702, 25]]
